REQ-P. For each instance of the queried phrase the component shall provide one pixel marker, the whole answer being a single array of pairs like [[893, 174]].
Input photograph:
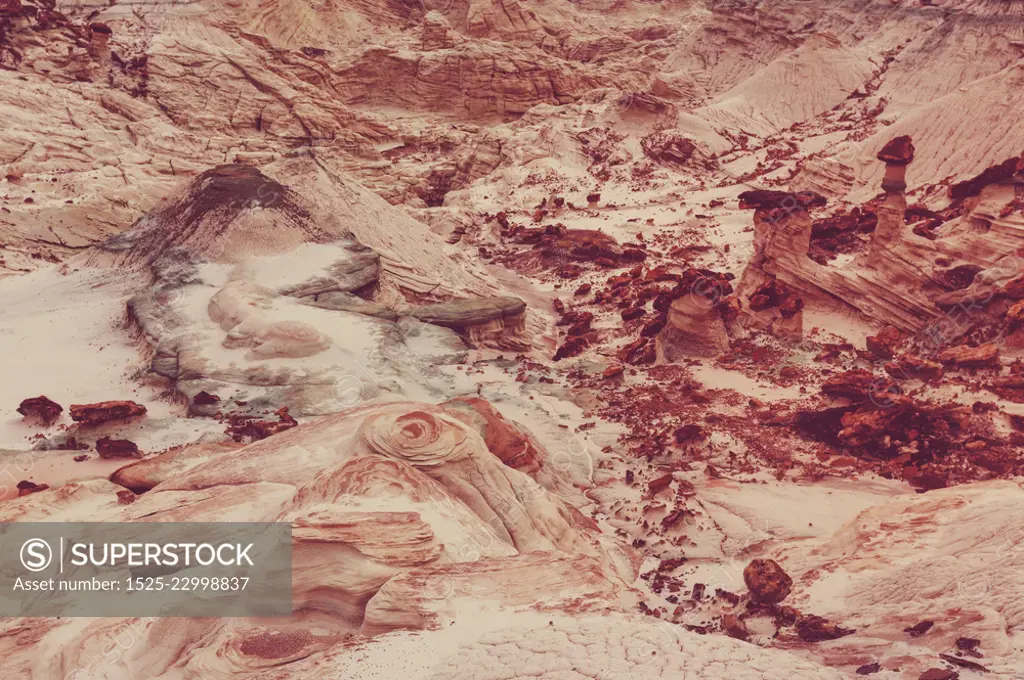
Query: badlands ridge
[[575, 339]]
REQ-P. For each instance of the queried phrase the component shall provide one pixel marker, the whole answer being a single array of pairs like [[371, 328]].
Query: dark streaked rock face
[[1001, 172]]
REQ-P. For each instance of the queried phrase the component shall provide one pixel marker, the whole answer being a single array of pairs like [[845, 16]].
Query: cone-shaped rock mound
[[225, 214]]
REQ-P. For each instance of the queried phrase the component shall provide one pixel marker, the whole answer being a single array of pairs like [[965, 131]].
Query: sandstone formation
[[485, 322], [456, 515], [898, 258], [694, 328], [572, 339]]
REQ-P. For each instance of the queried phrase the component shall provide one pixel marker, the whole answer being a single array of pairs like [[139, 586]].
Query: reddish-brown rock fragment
[[204, 398], [41, 409], [117, 448], [612, 372], [639, 352], [734, 627], [632, 313], [971, 357], [26, 487], [818, 629], [767, 581], [240, 427], [659, 483], [573, 346], [885, 344], [858, 385], [106, 411], [939, 674], [919, 629], [909, 366]]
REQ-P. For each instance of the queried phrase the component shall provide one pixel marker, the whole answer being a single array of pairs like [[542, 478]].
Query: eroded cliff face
[[594, 338]]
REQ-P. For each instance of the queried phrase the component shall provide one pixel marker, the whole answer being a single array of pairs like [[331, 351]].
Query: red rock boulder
[[106, 411], [117, 448], [767, 581], [41, 409]]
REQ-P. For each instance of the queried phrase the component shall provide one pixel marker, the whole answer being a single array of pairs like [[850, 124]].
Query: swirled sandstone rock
[[420, 438], [516, 508], [374, 497]]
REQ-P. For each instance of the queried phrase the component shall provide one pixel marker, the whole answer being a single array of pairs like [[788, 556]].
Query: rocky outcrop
[[334, 314], [498, 322], [676, 150], [896, 279]]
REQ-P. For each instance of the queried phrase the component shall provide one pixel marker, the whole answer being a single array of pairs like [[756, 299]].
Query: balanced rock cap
[[899, 151]]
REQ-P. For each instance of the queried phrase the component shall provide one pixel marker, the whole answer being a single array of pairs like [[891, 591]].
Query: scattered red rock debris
[[241, 427]]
